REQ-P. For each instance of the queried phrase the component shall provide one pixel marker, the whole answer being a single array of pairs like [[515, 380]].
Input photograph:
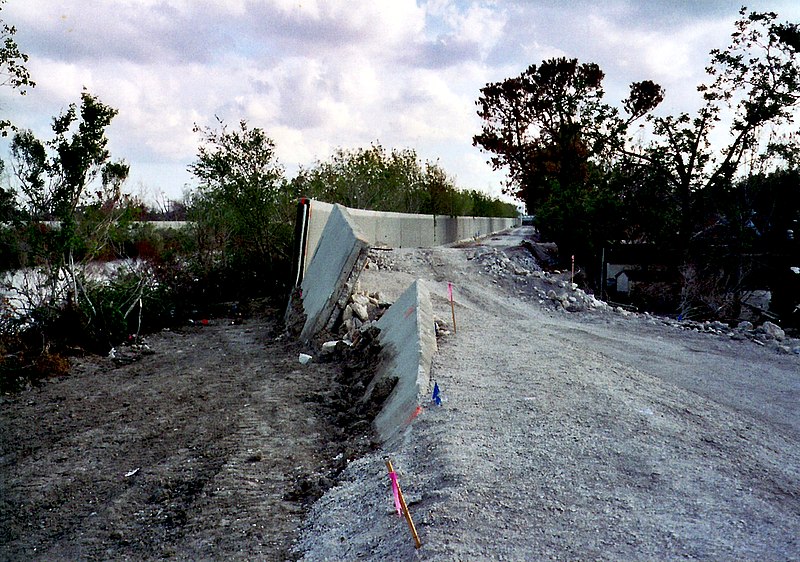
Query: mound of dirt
[[208, 441]]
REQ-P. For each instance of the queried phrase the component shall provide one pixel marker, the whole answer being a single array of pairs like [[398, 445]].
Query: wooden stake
[[452, 306], [404, 508], [572, 275]]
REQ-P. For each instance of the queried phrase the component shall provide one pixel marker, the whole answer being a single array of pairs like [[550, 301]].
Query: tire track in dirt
[[681, 484], [187, 453]]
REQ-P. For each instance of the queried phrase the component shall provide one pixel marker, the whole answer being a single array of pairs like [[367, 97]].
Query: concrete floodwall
[[395, 230], [338, 240], [403, 230], [408, 342], [340, 250]]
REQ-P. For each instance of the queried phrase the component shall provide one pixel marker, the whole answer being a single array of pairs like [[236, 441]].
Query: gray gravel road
[[586, 435]]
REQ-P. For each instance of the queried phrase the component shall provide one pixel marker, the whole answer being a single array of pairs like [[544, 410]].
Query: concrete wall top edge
[[399, 230], [358, 232]]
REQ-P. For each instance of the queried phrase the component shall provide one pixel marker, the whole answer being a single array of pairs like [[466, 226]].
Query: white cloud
[[333, 26], [482, 25], [65, 81], [319, 74], [664, 54]]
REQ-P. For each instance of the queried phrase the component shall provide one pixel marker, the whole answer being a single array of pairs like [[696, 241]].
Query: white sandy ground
[[580, 436]]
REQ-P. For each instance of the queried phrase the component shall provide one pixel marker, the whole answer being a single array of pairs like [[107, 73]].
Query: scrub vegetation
[[82, 267], [570, 156]]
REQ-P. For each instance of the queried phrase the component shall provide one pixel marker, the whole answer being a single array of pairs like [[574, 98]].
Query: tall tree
[[243, 207], [70, 179], [755, 83], [13, 72], [753, 88], [550, 128], [549, 123], [74, 168]]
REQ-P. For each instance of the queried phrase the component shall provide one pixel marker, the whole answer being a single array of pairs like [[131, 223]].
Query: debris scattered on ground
[[361, 312], [130, 351], [532, 388], [517, 268]]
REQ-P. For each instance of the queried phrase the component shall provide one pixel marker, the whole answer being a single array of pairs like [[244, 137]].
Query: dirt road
[[562, 435], [586, 435]]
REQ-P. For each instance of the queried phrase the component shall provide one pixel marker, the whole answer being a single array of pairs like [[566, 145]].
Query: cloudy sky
[[322, 74]]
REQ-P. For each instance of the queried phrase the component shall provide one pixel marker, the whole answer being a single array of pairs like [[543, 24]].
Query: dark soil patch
[[206, 445]]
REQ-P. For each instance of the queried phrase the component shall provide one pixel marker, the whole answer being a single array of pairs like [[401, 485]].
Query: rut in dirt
[[212, 446]]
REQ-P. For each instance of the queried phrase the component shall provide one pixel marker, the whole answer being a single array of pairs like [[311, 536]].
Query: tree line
[[592, 172], [63, 211], [578, 164]]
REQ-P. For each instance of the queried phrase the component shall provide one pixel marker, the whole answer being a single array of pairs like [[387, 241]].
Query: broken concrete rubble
[[567, 297], [329, 347], [772, 331], [767, 335], [361, 312], [553, 289]]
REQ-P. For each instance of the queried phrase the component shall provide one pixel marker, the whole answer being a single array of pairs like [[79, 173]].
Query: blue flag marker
[[437, 396]]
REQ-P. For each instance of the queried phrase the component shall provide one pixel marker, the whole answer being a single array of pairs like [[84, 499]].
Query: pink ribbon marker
[[450, 290], [396, 493]]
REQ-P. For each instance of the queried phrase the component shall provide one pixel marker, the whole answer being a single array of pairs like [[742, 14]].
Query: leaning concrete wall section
[[404, 230], [408, 341], [317, 219], [341, 246]]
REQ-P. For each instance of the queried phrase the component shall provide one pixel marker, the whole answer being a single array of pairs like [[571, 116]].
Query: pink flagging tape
[[400, 503], [396, 493]]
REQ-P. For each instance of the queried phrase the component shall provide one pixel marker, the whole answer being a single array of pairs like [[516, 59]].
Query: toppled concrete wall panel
[[341, 248], [408, 340], [404, 230]]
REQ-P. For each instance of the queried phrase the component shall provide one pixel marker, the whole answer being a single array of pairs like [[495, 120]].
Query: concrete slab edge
[[408, 341], [403, 230]]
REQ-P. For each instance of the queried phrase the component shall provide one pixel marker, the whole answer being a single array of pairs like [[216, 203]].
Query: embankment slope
[[586, 435]]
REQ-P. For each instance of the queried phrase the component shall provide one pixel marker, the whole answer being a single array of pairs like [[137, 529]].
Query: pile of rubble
[[767, 334], [361, 313], [380, 258], [518, 265], [130, 351], [554, 289], [567, 296], [359, 317], [497, 263]]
